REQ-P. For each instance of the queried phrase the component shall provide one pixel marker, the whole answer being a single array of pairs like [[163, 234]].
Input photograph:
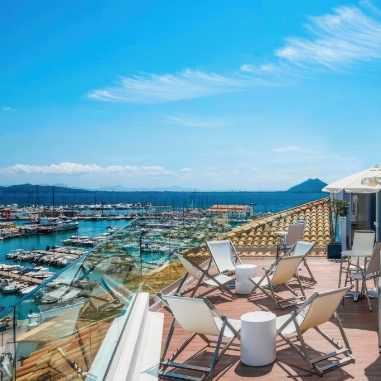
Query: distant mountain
[[59, 188], [308, 186], [29, 188]]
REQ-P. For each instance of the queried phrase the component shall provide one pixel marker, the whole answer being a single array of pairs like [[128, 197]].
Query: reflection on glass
[[67, 327]]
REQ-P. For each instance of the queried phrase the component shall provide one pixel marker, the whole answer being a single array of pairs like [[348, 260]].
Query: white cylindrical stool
[[243, 285], [258, 338]]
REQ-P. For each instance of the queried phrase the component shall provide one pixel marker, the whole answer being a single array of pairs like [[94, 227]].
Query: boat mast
[[53, 202]]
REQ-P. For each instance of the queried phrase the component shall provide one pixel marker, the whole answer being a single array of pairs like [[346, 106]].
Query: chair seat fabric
[[227, 332], [222, 278], [290, 328]]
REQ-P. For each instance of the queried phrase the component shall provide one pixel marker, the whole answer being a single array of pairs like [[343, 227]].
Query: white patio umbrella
[[367, 181]]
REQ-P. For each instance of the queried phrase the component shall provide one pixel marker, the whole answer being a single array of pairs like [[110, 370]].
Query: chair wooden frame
[[283, 270], [321, 307], [202, 319], [224, 255], [203, 277]]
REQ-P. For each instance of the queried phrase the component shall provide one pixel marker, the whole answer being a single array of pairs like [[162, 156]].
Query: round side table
[[243, 285], [258, 338]]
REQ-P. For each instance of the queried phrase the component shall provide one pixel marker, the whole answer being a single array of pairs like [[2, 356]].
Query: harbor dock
[[20, 278]]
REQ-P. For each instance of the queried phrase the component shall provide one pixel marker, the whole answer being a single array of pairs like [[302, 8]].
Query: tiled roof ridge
[[259, 233], [285, 213]]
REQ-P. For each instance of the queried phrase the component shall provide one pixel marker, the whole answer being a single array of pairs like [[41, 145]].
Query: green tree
[[339, 208]]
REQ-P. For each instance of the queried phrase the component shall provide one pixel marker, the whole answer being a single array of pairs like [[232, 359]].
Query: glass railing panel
[[7, 347], [73, 321], [67, 327]]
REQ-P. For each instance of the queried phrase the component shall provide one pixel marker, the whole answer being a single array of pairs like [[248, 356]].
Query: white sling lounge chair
[[321, 307], [281, 272], [362, 247], [203, 277], [224, 255], [200, 318], [294, 233], [303, 248], [370, 271]]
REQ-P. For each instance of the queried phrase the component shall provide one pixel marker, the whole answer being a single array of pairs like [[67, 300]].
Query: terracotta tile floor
[[359, 323]]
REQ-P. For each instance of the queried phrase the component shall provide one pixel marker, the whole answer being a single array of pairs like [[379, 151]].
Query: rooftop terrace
[[359, 323], [75, 336]]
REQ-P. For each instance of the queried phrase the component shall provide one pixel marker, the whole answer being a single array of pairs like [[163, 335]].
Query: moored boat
[[26, 290], [11, 288]]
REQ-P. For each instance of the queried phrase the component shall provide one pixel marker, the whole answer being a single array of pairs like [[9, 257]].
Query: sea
[[262, 203]]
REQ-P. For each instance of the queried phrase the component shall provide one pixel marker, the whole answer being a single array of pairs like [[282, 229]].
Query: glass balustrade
[[68, 326]]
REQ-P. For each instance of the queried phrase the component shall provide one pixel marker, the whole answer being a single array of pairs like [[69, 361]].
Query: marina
[[25, 263], [147, 244]]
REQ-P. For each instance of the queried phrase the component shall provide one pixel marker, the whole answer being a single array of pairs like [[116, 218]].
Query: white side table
[[258, 338], [243, 285]]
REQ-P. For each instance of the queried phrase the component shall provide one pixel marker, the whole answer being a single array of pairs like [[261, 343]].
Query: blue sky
[[207, 95]]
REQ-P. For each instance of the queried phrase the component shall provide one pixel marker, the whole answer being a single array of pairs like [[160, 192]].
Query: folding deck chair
[[288, 239], [303, 248], [200, 318], [321, 307], [203, 277], [224, 255], [362, 247], [281, 272]]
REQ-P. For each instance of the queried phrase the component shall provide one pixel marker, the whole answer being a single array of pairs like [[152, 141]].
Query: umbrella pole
[[376, 223]]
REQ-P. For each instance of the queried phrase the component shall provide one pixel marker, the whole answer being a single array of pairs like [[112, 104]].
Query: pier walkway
[[19, 277]]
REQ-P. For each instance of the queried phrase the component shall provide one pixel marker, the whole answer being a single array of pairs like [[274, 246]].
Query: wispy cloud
[[187, 173], [187, 170], [294, 150], [194, 121], [287, 149], [189, 84], [7, 108], [66, 168], [345, 37], [213, 176], [269, 68]]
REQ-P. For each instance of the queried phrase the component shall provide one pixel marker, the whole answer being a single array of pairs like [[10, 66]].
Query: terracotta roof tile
[[261, 232]]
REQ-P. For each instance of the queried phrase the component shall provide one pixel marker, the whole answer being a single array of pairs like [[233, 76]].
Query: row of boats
[[83, 240], [20, 285], [38, 257], [11, 286], [38, 272], [86, 241], [50, 225]]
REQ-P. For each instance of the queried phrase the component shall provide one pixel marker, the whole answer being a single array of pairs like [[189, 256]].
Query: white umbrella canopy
[[367, 181]]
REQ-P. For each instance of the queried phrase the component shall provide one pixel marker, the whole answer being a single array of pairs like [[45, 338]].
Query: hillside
[[28, 188], [308, 186]]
